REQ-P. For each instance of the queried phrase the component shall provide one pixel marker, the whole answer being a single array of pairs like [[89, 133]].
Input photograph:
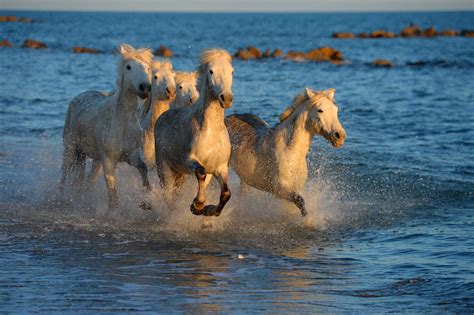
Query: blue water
[[393, 207]]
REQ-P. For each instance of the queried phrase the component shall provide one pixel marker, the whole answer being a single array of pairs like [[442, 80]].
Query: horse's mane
[[207, 57], [185, 77], [162, 64], [298, 100], [127, 52]]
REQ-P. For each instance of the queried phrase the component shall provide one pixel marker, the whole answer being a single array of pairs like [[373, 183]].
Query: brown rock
[[363, 35], [343, 35], [29, 43], [277, 53], [411, 31], [255, 51], [8, 19], [267, 53], [467, 33], [381, 34], [251, 53], [430, 32], [5, 43], [244, 55], [296, 55], [84, 50], [449, 32], [383, 63], [319, 54], [164, 51], [324, 54]]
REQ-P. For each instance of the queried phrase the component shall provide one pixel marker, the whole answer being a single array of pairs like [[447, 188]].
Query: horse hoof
[[206, 223], [144, 205], [195, 210], [211, 211], [309, 223]]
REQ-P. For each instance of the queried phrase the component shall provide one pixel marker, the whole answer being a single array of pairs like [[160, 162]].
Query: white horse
[[104, 126], [186, 87], [274, 159], [163, 93], [194, 140]]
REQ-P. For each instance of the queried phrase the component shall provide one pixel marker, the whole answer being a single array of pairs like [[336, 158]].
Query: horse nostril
[[141, 87], [337, 135], [168, 90], [222, 97]]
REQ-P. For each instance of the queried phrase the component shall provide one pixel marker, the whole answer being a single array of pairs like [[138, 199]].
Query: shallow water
[[393, 208]]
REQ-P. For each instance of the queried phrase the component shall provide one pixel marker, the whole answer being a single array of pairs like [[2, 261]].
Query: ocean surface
[[393, 208]]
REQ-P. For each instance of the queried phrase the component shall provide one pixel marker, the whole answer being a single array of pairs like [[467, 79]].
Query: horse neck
[[158, 107], [124, 106], [296, 132], [209, 113]]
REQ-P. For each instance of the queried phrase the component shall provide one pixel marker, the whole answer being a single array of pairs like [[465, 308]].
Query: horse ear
[[309, 93], [330, 93], [286, 113], [124, 48]]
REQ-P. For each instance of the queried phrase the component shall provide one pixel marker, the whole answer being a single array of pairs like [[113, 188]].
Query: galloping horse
[[274, 159]]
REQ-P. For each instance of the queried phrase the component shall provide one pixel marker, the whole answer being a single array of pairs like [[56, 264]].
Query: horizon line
[[237, 11]]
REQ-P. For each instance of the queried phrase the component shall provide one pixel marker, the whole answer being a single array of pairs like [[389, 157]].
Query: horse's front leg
[[197, 207], [295, 198], [138, 162], [109, 175], [93, 173], [222, 177]]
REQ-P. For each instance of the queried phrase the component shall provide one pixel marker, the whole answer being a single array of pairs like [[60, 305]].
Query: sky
[[240, 5]]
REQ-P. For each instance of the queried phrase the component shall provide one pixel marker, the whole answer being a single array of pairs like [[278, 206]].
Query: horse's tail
[[70, 160]]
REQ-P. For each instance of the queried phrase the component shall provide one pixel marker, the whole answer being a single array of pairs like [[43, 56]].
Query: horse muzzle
[[225, 99], [171, 93], [144, 90], [337, 138]]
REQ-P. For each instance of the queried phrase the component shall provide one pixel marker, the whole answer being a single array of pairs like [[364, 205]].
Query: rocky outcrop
[[163, 51], [430, 32], [381, 34], [411, 31], [29, 43], [383, 63], [8, 19], [277, 53], [15, 19], [449, 32], [343, 35], [250, 53], [5, 43], [322, 54], [84, 50], [467, 33]]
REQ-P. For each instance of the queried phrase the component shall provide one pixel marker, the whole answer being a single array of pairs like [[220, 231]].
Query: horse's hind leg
[[79, 169], [94, 173], [109, 175], [68, 161], [222, 176], [168, 182]]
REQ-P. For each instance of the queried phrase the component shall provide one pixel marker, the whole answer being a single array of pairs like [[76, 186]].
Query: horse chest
[[212, 148]]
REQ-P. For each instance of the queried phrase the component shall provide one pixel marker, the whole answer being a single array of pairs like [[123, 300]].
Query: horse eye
[[128, 67], [156, 77], [180, 87], [211, 72], [320, 110]]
